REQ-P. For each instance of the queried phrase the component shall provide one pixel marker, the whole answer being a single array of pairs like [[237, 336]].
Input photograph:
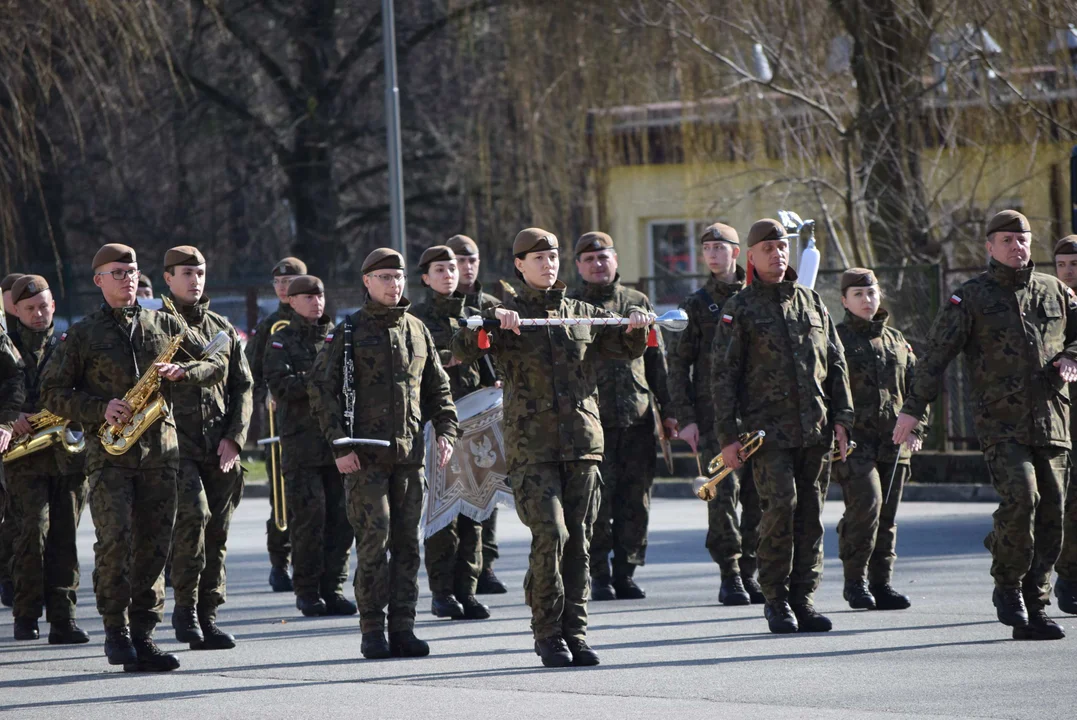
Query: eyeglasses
[[387, 278], [120, 274]]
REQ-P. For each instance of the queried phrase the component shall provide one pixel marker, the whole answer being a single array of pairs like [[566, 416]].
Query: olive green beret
[[720, 231], [114, 252], [857, 277], [9, 281], [144, 281], [383, 259], [1066, 246], [306, 285], [766, 229], [184, 255], [462, 245], [27, 286], [438, 253], [1008, 221], [533, 240], [290, 266], [593, 242]]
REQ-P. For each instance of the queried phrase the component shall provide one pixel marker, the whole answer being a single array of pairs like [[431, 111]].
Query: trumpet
[[717, 469], [48, 430], [276, 474]]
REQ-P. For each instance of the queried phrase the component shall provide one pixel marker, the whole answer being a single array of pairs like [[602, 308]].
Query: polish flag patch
[[63, 336], [727, 319], [955, 300], [279, 346], [329, 338]]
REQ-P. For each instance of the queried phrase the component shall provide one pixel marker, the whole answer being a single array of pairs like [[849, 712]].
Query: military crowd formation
[[143, 413]]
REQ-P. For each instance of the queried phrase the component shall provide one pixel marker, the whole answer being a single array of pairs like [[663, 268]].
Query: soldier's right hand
[[731, 454], [117, 412], [5, 438], [903, 427], [510, 319], [690, 434], [22, 426], [348, 464]]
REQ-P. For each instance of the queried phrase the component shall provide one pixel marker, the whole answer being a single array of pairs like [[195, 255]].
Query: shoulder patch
[[254, 332], [955, 300], [277, 345], [329, 338], [727, 319], [63, 336]]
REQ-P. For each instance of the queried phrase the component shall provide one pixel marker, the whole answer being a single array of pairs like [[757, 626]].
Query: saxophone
[[48, 429]]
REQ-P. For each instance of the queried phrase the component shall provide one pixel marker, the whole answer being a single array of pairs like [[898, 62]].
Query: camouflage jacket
[[881, 367], [207, 415], [256, 348], [479, 299], [1012, 326], [550, 376], [778, 365], [625, 386], [12, 381], [690, 354], [100, 358], [442, 316], [398, 382], [289, 360]]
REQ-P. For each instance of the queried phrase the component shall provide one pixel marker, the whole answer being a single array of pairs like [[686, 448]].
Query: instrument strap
[[715, 308]]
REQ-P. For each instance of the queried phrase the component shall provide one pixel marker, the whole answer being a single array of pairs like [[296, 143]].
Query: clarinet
[[349, 378]]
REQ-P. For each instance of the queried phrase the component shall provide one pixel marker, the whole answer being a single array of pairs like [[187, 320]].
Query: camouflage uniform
[[132, 496], [628, 466], [207, 496], [277, 541], [398, 382], [881, 366], [1066, 567], [314, 489], [12, 395], [778, 366], [454, 554], [553, 443], [1012, 325]]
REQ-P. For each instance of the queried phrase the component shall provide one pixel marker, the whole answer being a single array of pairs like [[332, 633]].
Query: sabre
[[350, 442], [893, 473], [674, 321]]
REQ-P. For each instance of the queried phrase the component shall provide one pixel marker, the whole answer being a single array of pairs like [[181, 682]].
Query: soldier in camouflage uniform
[[132, 495], [454, 553], [881, 365], [779, 367], [553, 436], [277, 541], [7, 520], [467, 261], [624, 402], [1018, 330], [48, 489], [398, 383], [212, 427], [314, 490], [1066, 567], [731, 543], [145, 288]]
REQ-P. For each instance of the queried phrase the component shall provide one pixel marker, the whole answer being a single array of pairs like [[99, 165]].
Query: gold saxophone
[[278, 502], [48, 430]]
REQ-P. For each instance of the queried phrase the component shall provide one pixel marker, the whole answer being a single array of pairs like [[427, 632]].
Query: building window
[[673, 260]]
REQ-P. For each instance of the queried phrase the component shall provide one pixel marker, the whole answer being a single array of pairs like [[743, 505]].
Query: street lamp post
[[392, 131]]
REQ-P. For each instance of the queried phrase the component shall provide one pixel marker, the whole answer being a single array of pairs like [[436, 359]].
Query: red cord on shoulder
[[652, 337]]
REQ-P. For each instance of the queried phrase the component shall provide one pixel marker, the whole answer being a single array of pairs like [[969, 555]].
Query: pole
[[1073, 190], [392, 131]]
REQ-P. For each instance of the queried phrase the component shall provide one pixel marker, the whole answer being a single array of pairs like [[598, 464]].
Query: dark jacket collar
[[1008, 277], [596, 294], [776, 291], [447, 305], [194, 314], [541, 299], [30, 340], [311, 331], [715, 286], [385, 316], [871, 328]]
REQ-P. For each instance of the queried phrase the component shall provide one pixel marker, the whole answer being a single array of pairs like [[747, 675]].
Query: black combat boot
[[627, 589], [755, 592], [489, 584], [445, 605], [602, 589], [473, 609], [118, 647], [1040, 627], [553, 651], [732, 591], [403, 643], [858, 596], [215, 638], [66, 632], [582, 654], [887, 598], [310, 605], [337, 604], [780, 617], [185, 624], [7, 593], [1066, 592], [375, 646], [280, 580], [810, 620], [150, 657], [26, 629], [1010, 604]]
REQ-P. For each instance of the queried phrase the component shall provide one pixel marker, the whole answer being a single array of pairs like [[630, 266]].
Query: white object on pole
[[808, 269], [674, 321]]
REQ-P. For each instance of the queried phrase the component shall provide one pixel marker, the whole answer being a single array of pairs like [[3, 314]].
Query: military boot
[[780, 617], [66, 632], [554, 652], [755, 592], [375, 646], [1010, 605], [489, 584], [627, 589], [7, 593], [445, 605], [887, 598], [602, 589], [215, 638], [337, 604], [582, 654], [26, 629], [150, 657], [1066, 592], [310, 605], [1040, 627], [473, 609], [732, 591], [811, 620], [403, 643], [185, 624], [858, 596], [118, 647], [280, 580]]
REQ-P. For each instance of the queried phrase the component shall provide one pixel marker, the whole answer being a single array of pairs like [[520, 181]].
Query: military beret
[[1008, 221], [27, 286], [593, 242], [144, 281], [438, 253], [719, 231], [114, 252], [766, 229], [9, 281], [462, 245], [383, 259], [290, 266], [533, 240], [1066, 246], [857, 277], [306, 285], [184, 255]]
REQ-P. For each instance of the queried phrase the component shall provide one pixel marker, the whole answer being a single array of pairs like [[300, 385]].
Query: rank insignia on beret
[[727, 319], [955, 300], [277, 345], [329, 338]]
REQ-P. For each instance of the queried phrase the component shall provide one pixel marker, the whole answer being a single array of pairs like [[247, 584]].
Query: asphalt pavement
[[676, 654]]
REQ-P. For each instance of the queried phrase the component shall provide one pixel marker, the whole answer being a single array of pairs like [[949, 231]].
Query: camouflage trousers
[[867, 531], [45, 564], [278, 542], [206, 497], [1067, 559], [792, 486], [8, 529], [454, 558], [489, 541], [318, 525], [1027, 534], [558, 502], [627, 473], [133, 512], [732, 541], [385, 503]]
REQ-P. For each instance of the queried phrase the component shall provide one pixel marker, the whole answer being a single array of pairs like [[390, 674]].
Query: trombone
[[276, 474]]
